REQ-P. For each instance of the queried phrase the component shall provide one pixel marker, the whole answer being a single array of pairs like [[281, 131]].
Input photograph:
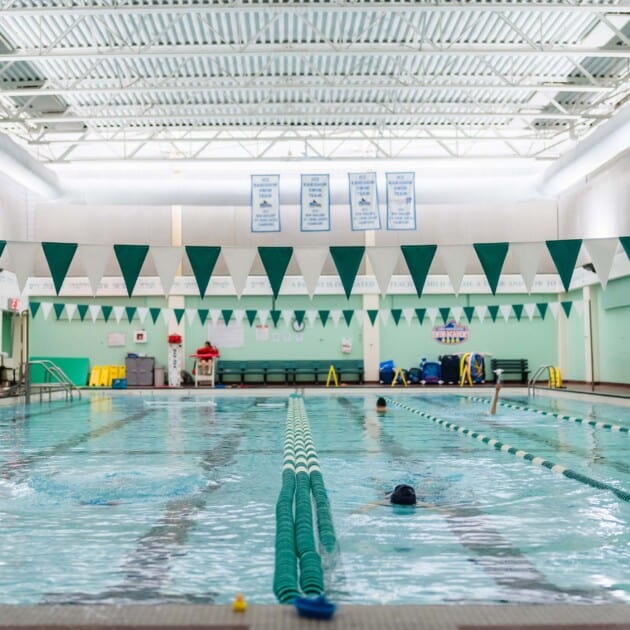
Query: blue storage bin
[[119, 383]]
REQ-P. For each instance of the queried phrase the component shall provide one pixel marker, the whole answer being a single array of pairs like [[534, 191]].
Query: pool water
[[171, 498]]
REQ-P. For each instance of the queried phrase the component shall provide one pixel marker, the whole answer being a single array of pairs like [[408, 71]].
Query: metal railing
[[531, 384], [55, 380]]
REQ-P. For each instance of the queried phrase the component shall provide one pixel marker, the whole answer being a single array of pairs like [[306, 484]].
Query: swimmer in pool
[[381, 404], [402, 495]]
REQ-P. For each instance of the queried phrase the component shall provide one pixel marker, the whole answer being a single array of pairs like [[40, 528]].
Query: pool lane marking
[[506, 448], [598, 425]]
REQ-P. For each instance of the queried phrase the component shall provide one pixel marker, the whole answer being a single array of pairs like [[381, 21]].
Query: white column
[[371, 334], [591, 338]]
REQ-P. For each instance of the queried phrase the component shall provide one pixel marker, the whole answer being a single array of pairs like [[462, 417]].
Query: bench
[[286, 372], [510, 366]]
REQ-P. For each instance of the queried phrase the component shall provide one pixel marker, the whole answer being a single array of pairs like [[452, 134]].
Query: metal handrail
[[531, 384], [55, 372]]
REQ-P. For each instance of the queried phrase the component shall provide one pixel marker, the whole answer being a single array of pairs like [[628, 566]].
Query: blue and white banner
[[315, 203], [364, 201], [265, 200], [401, 201]]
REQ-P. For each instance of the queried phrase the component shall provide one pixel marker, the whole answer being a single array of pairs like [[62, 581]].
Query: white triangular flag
[[578, 305], [383, 261], [456, 313], [505, 310], [166, 261], [383, 314], [239, 261], [46, 308], [118, 313], [311, 261], [23, 261], [287, 316], [602, 252], [529, 309], [335, 315], [481, 311], [408, 314], [215, 314], [455, 260], [95, 259], [263, 316], [238, 314], [432, 314], [311, 316], [554, 307], [142, 311], [71, 309], [526, 257], [358, 317], [166, 315], [191, 315], [94, 309]]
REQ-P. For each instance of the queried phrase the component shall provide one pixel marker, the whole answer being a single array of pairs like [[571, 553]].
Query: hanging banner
[[265, 200], [315, 203], [364, 201], [401, 201]]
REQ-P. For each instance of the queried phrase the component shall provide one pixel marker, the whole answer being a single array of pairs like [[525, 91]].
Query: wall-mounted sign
[[450, 333]]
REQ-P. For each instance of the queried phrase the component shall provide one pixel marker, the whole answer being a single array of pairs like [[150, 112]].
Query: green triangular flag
[[418, 259], [494, 311], [227, 315], [2, 245], [445, 311], [624, 240], [203, 315], [34, 306], [178, 313], [564, 255], [275, 260], [275, 316], [59, 256], [323, 315], [347, 315], [83, 309], [107, 311], [396, 314], [566, 307], [202, 260], [251, 316], [154, 311], [372, 314], [131, 311], [492, 256], [420, 313], [58, 309], [347, 261], [542, 309], [299, 316], [518, 311], [130, 258], [469, 311]]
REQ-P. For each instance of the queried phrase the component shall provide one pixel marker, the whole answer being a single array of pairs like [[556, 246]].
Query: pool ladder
[[553, 378], [55, 380]]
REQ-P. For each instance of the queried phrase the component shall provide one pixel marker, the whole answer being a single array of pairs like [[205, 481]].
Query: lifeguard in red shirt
[[205, 356]]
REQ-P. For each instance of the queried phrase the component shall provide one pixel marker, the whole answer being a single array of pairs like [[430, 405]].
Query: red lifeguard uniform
[[205, 355]]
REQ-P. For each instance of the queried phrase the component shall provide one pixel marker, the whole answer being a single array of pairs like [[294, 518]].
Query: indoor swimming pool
[[170, 497]]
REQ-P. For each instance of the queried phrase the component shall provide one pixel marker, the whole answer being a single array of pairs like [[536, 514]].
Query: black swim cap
[[381, 402], [403, 495]]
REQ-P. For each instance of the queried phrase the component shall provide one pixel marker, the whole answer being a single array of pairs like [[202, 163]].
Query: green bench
[[287, 372]]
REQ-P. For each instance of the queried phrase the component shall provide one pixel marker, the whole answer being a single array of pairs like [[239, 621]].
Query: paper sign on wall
[[401, 201], [364, 211], [265, 202], [315, 203]]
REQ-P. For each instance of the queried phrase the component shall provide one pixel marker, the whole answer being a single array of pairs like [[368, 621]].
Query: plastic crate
[[119, 383]]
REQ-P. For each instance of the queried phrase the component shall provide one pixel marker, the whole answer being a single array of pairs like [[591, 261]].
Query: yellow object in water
[[239, 605]]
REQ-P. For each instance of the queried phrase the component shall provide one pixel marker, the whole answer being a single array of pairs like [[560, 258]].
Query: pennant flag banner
[[401, 201], [469, 311], [275, 260], [155, 313], [347, 315], [602, 252], [131, 311], [275, 316], [311, 261], [83, 309], [396, 315], [364, 212], [492, 256], [167, 260], [265, 203], [130, 259], [23, 259], [315, 203], [625, 243], [383, 261], [372, 313], [34, 307], [418, 259], [251, 316], [445, 312], [323, 316], [455, 260], [58, 309], [226, 313], [527, 257], [299, 316], [420, 313], [2, 245], [95, 259], [59, 256], [107, 311], [494, 311], [202, 260], [239, 263], [347, 260], [518, 311], [564, 255], [178, 313]]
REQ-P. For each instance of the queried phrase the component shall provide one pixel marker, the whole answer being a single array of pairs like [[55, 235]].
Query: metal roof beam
[[362, 49]]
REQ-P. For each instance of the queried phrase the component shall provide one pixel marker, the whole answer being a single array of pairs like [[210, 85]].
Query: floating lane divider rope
[[501, 446], [598, 425]]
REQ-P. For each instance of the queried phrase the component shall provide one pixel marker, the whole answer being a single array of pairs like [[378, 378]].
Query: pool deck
[[193, 617]]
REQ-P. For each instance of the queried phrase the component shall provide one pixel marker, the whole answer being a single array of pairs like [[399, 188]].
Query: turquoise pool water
[[171, 498]]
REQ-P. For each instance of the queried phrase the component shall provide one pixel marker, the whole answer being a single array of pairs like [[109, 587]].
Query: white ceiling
[[89, 81]]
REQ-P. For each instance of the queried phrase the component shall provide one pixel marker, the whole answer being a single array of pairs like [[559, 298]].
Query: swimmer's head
[[403, 495], [381, 403]]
